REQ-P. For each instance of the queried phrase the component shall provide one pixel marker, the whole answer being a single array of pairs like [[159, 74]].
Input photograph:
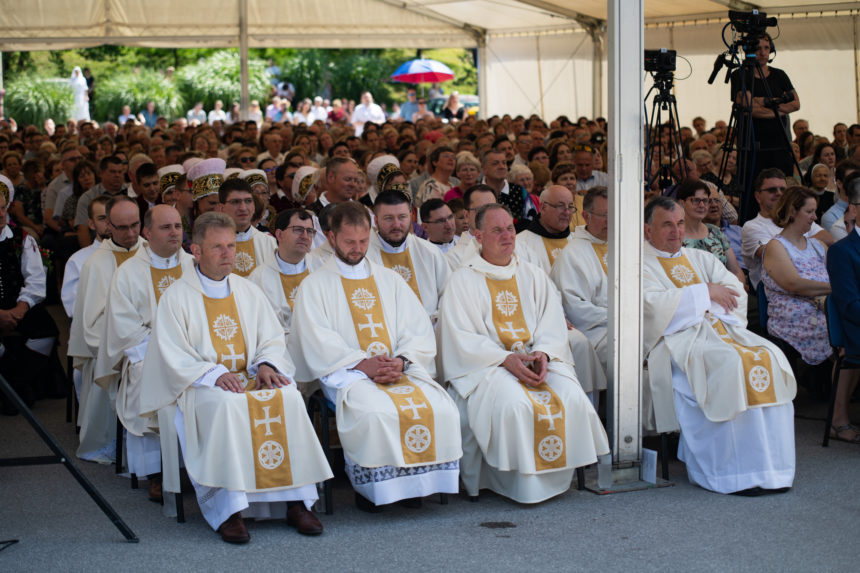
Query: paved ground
[[674, 528]]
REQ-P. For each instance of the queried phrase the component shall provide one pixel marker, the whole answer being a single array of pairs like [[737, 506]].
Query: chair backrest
[[762, 306], [834, 325]]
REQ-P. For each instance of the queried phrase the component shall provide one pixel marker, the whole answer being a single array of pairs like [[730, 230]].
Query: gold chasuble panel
[[290, 284], [553, 248], [401, 263], [246, 258], [602, 252], [549, 448], [122, 256], [163, 278], [269, 438], [225, 331], [415, 415], [758, 369]]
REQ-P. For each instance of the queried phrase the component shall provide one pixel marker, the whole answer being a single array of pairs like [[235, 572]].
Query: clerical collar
[[245, 235], [388, 248], [113, 244], [290, 268], [665, 254], [538, 229], [581, 232], [213, 288], [161, 262], [323, 199], [495, 272], [359, 271]]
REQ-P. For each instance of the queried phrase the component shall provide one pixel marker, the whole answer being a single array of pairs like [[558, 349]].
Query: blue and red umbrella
[[422, 71]]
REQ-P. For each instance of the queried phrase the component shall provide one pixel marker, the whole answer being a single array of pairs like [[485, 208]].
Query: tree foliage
[[217, 78], [32, 100], [135, 89]]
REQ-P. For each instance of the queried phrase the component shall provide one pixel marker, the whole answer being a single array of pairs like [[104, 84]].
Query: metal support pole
[[597, 39], [540, 75], [483, 93], [856, 66], [625, 43], [244, 98]]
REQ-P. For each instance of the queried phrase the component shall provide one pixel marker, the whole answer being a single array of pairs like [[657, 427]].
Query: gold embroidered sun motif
[[682, 273], [244, 262], [759, 378], [506, 302], [224, 327], [403, 271], [165, 282], [363, 298]]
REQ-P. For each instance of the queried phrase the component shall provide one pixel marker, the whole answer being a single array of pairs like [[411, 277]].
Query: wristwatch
[[406, 361]]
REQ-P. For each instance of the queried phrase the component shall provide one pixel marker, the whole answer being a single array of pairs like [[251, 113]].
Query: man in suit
[[843, 266]]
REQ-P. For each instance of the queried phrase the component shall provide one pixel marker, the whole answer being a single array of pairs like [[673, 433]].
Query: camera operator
[[770, 143]]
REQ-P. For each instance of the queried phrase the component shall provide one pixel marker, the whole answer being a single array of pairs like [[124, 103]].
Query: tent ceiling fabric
[[61, 24]]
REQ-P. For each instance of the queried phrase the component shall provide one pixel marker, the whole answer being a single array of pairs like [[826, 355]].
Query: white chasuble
[[340, 321], [730, 369], [540, 251], [253, 249], [513, 439], [280, 286], [265, 433]]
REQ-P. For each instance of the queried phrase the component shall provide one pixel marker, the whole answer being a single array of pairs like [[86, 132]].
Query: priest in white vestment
[[253, 247], [526, 422], [97, 415], [438, 222], [361, 330], [732, 390], [218, 353], [466, 248], [393, 246], [540, 243], [134, 293]]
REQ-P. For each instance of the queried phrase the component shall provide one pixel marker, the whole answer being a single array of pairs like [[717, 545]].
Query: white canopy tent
[[535, 56]]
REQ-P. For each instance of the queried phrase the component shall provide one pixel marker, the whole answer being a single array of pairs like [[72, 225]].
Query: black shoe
[[366, 505], [751, 492]]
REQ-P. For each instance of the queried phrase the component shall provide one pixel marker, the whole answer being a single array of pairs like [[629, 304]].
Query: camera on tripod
[[751, 23], [660, 61]]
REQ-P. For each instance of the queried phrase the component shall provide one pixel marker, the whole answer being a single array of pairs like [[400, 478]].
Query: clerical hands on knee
[[723, 296], [530, 369], [381, 369], [267, 377]]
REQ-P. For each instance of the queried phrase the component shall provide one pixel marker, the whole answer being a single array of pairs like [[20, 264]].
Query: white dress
[[78, 85]]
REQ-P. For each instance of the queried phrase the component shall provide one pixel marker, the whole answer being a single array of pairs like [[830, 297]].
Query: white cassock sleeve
[[35, 281]]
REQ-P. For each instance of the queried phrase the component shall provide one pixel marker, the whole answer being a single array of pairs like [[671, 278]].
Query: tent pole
[[540, 77], [244, 98], [596, 73], [483, 104], [625, 43], [856, 67]]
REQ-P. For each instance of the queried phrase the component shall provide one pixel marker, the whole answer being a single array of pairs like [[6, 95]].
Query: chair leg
[[830, 407], [664, 455], [119, 465], [134, 484], [316, 403], [180, 509], [580, 478], [443, 499]]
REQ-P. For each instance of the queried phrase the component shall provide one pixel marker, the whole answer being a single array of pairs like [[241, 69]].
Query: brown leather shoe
[[155, 493], [304, 520], [233, 530]]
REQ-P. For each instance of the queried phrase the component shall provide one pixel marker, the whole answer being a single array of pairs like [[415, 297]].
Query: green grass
[[32, 100]]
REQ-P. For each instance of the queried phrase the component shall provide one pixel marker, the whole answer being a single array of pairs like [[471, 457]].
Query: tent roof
[[60, 24]]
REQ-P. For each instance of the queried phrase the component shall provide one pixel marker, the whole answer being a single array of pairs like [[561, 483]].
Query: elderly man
[[363, 333], [475, 197], [732, 390], [253, 247], [97, 416], [421, 265], [769, 186], [281, 276], [342, 182], [438, 222], [580, 272], [586, 176], [525, 421], [540, 244], [218, 353], [130, 312]]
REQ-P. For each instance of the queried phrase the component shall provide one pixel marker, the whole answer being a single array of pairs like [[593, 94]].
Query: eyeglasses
[[561, 206], [698, 200], [598, 215], [447, 219], [125, 228], [246, 159], [774, 189], [587, 148], [299, 231], [270, 170]]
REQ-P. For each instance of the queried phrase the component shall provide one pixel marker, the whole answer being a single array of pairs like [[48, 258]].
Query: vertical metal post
[[596, 72], [540, 75], [244, 98], [483, 93], [856, 21], [625, 43]]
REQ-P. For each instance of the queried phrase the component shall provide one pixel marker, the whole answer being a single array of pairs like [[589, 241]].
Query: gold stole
[[290, 284], [602, 252], [225, 331], [758, 369], [415, 415], [163, 278], [269, 438], [246, 258], [553, 248], [122, 256], [401, 263], [510, 323]]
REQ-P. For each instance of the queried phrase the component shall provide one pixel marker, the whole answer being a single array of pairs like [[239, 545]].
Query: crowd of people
[[442, 283]]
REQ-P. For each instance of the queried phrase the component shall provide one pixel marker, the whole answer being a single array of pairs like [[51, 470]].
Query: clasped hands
[[267, 377], [381, 369], [530, 369]]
